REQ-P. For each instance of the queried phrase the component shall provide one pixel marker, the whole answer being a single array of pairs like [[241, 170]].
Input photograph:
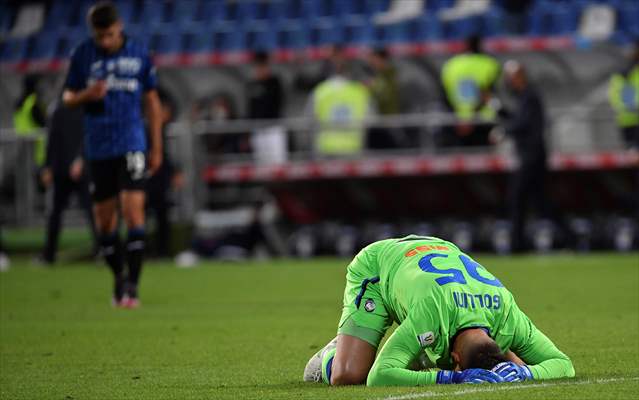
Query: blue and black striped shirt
[[113, 126]]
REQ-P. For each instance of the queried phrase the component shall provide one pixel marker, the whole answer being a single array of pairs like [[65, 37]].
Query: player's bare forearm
[[543, 358], [73, 99], [153, 111], [95, 92]]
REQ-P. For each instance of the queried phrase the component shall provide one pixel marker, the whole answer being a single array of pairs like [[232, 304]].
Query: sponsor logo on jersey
[[424, 248], [426, 339], [369, 305]]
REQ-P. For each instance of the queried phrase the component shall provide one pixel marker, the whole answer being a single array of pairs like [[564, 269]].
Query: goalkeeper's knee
[[327, 365]]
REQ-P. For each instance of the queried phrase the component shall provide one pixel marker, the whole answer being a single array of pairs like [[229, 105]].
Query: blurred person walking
[[339, 105], [159, 185], [468, 80], [110, 74], [384, 90], [623, 94], [65, 174], [29, 116], [265, 102], [526, 125]]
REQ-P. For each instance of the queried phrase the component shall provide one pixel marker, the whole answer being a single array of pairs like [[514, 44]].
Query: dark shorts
[[111, 176]]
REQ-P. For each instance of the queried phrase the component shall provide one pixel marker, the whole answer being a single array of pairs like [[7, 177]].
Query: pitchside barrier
[[423, 183]]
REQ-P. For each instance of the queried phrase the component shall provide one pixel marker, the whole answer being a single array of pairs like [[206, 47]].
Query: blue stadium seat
[[164, 43], [74, 36], [78, 14], [126, 9], [493, 22], [293, 36], [564, 19], [433, 6], [326, 34], [151, 13], [44, 46], [210, 11], [375, 6], [628, 18], [6, 16], [226, 40], [394, 34], [313, 10], [201, 42], [261, 37], [463, 28], [291, 10], [13, 50], [430, 28], [349, 9], [139, 33], [359, 32], [539, 20], [182, 12], [57, 16], [271, 11]]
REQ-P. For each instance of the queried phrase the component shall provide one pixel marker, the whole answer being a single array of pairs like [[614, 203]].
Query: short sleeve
[[76, 77], [149, 74]]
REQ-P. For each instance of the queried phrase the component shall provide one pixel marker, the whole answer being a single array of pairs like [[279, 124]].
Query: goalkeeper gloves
[[473, 375], [511, 372]]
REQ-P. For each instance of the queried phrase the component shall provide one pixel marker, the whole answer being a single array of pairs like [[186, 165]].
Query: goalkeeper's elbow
[[374, 378], [379, 376]]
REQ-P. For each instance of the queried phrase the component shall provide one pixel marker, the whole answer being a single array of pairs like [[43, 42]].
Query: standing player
[[109, 75], [452, 314]]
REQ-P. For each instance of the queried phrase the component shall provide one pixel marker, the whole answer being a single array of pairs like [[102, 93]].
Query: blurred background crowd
[[303, 127]]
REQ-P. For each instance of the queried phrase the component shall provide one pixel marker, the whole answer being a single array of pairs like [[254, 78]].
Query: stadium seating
[[218, 25]]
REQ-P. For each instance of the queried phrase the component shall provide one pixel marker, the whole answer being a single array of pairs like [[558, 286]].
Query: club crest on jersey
[[426, 339], [369, 306]]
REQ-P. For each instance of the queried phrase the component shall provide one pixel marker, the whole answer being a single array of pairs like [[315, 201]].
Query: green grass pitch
[[246, 330]]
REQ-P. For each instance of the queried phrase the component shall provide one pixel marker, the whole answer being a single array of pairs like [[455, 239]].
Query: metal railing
[[187, 148]]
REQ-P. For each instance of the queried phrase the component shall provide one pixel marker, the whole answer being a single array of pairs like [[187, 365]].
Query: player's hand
[[96, 91], [75, 171], [177, 181], [155, 161], [473, 375], [512, 372]]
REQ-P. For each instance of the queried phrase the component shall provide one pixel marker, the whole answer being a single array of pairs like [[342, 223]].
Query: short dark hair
[[381, 53], [260, 58], [473, 44], [102, 15], [483, 355]]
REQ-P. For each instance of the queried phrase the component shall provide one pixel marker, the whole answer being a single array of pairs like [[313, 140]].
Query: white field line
[[504, 388]]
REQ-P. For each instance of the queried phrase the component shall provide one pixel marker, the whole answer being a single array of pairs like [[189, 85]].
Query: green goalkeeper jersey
[[434, 290]]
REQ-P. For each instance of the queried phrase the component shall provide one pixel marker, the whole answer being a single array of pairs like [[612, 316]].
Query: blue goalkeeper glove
[[512, 372], [473, 375]]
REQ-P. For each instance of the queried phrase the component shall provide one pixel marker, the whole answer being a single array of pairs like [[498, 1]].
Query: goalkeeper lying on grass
[[457, 323]]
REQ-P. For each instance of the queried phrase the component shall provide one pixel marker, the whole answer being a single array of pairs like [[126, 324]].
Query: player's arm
[[154, 118], [392, 366], [76, 92], [95, 92], [153, 111], [542, 357]]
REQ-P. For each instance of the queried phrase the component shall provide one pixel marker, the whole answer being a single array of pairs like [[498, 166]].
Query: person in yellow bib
[[623, 95], [29, 117], [468, 80], [339, 105]]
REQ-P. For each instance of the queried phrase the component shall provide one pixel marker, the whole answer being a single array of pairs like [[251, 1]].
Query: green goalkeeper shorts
[[364, 315]]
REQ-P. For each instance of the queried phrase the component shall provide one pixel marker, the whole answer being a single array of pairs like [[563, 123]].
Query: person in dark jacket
[[526, 125], [265, 101], [159, 185], [64, 173]]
